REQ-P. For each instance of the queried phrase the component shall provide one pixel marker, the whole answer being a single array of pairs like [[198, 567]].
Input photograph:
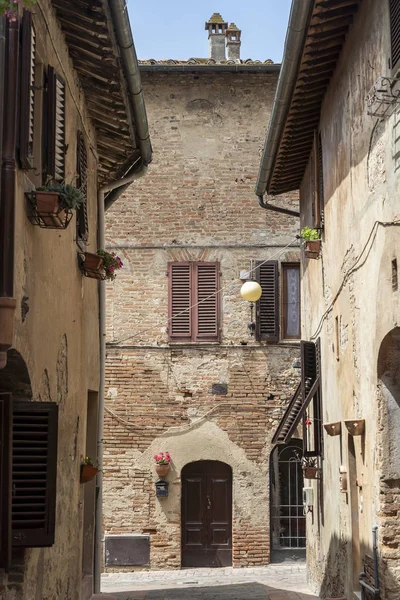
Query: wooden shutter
[[5, 479], [206, 311], [82, 229], [267, 310], [180, 301], [321, 200], [395, 32], [27, 92], [55, 126], [308, 366], [34, 464]]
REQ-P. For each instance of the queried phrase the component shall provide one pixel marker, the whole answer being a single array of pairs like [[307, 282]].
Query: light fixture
[[251, 292]]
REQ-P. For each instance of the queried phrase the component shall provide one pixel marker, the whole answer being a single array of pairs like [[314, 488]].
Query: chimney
[[216, 28], [233, 42]]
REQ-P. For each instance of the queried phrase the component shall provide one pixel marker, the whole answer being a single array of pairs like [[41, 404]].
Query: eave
[[298, 102]]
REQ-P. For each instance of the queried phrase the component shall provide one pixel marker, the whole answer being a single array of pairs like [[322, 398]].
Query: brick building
[[183, 372]]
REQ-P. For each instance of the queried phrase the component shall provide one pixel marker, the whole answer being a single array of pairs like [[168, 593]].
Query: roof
[[215, 18], [233, 27], [90, 32], [316, 34], [209, 65]]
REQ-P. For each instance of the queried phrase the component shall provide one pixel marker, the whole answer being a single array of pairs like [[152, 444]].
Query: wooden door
[[207, 514]]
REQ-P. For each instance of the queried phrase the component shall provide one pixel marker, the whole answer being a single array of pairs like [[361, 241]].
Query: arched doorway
[[206, 514], [288, 523]]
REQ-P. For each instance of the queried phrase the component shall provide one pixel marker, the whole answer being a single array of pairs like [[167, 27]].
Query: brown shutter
[[27, 93], [55, 126], [180, 300], [308, 366], [82, 229], [206, 311], [267, 310], [321, 200], [34, 467], [5, 479], [395, 32]]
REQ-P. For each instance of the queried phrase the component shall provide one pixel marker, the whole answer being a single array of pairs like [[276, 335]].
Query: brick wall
[[196, 203]]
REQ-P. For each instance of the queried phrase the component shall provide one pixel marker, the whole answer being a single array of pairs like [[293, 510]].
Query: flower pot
[[49, 209], [312, 248], [92, 266], [162, 470], [88, 472], [310, 472]]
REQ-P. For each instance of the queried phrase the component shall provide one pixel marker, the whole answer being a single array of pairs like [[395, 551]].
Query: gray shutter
[[395, 32], [180, 300], [267, 308], [27, 91], [206, 310], [82, 228], [34, 470], [5, 479], [55, 126]]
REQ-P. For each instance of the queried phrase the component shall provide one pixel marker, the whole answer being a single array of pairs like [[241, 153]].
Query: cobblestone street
[[275, 582]]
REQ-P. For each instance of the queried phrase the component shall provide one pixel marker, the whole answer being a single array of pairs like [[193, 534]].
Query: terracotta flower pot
[[310, 472], [88, 472], [92, 266], [48, 208], [162, 470]]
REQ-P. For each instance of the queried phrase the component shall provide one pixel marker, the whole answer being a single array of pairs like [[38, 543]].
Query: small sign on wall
[[219, 389], [127, 550]]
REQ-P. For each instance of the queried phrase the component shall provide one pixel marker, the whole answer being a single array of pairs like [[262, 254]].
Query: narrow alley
[[275, 582]]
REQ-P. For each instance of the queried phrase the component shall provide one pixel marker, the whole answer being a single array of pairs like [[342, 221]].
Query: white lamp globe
[[251, 291]]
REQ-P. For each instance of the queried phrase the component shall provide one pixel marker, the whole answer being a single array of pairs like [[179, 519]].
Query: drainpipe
[[100, 429], [8, 129], [284, 211]]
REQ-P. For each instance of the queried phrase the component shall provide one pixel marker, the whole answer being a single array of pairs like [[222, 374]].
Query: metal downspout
[[297, 28], [102, 332], [284, 211], [132, 74]]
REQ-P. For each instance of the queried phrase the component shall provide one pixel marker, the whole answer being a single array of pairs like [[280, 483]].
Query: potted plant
[[102, 265], [88, 470], [53, 204], [309, 464], [163, 463], [111, 263], [312, 241]]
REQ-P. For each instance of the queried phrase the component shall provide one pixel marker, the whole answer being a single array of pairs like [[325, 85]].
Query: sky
[[165, 29]]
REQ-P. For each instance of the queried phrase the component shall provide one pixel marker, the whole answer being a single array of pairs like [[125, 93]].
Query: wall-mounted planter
[[312, 248], [45, 209], [355, 426], [88, 472], [310, 472], [333, 428], [162, 470], [92, 265]]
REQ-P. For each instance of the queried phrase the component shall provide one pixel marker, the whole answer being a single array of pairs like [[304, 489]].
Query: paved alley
[[275, 582]]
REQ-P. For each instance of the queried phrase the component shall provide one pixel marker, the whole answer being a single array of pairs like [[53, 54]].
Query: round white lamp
[[251, 291]]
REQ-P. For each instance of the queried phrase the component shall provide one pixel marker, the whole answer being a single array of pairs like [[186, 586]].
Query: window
[[291, 301], [82, 230], [28, 465], [193, 301], [54, 155], [268, 326], [318, 206], [395, 33], [312, 397], [27, 92]]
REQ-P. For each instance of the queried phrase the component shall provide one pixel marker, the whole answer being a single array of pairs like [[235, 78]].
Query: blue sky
[[175, 28]]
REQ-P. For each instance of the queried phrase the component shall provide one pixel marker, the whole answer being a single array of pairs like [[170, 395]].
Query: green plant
[[71, 197], [308, 234], [87, 461], [9, 8], [111, 263]]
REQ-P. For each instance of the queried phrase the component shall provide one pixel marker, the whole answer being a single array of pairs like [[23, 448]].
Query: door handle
[[208, 503]]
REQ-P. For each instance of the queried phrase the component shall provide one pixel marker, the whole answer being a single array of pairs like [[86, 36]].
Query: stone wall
[[354, 306], [197, 203]]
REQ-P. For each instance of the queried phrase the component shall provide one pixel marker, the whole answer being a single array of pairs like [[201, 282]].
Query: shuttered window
[[291, 301], [34, 463], [311, 381], [82, 229], [193, 301], [27, 91], [55, 122], [318, 210], [267, 309], [395, 33], [5, 479]]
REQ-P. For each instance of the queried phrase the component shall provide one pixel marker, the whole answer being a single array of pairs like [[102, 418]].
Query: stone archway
[[389, 461]]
